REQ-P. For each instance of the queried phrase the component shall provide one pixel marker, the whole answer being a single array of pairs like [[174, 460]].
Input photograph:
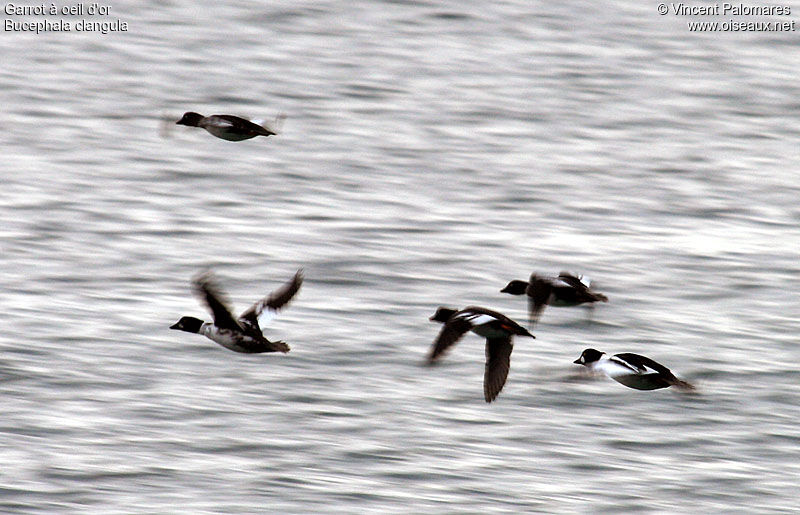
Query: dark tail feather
[[279, 346], [682, 385]]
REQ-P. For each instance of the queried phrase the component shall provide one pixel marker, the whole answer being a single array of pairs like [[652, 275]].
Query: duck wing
[[205, 287], [452, 331], [263, 311], [538, 293], [641, 364], [245, 124], [582, 286], [574, 281], [498, 362]]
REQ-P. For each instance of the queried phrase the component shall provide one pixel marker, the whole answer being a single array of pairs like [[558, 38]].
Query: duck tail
[[279, 346], [601, 297], [682, 385]]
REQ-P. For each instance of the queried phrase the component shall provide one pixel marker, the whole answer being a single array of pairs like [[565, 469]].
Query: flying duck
[[631, 370], [229, 127], [562, 291], [498, 330], [241, 334]]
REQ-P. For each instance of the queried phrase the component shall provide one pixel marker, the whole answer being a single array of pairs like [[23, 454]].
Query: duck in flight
[[498, 330], [631, 370], [563, 291], [229, 127], [242, 334]]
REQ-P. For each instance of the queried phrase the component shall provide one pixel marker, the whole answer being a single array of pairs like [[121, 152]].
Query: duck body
[[225, 126], [566, 290], [631, 370], [242, 334], [498, 330]]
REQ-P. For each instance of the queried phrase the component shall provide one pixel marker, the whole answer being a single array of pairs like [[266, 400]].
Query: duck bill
[[578, 361]]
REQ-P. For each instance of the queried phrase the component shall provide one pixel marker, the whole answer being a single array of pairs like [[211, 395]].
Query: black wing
[[245, 125], [538, 293], [640, 362], [573, 281], [206, 288], [274, 301], [452, 331], [582, 292], [498, 361]]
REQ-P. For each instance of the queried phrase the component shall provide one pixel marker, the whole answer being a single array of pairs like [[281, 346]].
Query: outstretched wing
[[206, 288], [265, 309], [498, 361], [583, 288], [452, 331], [578, 282], [538, 293], [245, 124], [642, 364]]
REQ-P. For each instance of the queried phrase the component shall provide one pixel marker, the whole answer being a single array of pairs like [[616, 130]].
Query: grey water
[[432, 152]]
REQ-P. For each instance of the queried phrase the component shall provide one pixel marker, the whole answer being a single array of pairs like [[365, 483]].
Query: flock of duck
[[245, 334]]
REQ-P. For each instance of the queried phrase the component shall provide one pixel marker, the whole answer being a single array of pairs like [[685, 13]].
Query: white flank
[[613, 368], [224, 337]]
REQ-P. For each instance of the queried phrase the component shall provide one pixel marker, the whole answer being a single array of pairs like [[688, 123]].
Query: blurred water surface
[[433, 151]]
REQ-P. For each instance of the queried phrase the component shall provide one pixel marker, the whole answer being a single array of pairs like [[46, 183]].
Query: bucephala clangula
[[632, 370], [563, 291], [498, 330], [229, 127], [242, 334]]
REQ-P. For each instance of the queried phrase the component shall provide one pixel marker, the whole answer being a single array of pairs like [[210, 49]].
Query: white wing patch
[[583, 279], [559, 282], [478, 318], [265, 317], [620, 367], [220, 123]]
